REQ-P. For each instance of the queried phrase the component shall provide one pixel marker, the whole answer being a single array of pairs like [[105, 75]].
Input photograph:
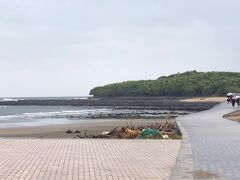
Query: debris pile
[[164, 130], [121, 133]]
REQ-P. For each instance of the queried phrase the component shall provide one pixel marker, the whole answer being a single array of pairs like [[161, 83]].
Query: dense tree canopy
[[191, 83]]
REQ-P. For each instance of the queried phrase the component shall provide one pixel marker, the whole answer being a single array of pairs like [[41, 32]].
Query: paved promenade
[[50, 159], [211, 146]]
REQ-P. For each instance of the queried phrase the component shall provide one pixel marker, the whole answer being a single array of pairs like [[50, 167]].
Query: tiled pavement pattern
[[215, 144], [50, 159]]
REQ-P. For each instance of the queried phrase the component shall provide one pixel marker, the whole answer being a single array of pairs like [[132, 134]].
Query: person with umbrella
[[229, 97], [238, 100]]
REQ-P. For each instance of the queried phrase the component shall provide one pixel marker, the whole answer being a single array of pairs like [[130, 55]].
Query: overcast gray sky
[[66, 47]]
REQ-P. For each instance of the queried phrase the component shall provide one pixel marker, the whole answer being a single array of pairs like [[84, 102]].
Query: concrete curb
[[183, 168]]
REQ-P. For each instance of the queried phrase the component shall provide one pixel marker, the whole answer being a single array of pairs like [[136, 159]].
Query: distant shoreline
[[160, 103]]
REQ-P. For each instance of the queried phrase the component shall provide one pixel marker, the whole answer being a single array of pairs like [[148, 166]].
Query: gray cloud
[[54, 48]]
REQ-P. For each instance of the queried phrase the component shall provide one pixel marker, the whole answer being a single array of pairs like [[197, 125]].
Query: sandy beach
[[205, 99], [90, 126]]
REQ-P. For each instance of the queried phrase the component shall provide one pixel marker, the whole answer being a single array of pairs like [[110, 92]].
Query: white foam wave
[[54, 114], [78, 98], [82, 98], [8, 99], [8, 117]]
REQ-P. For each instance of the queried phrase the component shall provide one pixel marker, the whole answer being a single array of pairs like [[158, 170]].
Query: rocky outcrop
[[160, 103]]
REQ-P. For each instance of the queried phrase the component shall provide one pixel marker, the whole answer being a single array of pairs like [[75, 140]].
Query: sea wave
[[7, 117], [66, 113], [55, 114], [3, 106], [87, 113], [9, 99], [78, 98]]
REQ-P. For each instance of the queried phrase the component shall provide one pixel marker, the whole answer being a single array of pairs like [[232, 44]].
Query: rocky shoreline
[[127, 114], [154, 103]]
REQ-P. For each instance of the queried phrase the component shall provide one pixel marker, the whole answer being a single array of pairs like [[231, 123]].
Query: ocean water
[[15, 116], [18, 116], [42, 98]]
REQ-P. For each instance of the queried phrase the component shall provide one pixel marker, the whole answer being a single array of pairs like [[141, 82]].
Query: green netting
[[148, 133]]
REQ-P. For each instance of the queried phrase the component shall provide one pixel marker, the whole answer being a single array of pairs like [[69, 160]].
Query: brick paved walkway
[[87, 159], [212, 146]]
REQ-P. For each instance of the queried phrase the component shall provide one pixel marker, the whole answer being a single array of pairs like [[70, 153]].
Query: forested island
[[190, 83]]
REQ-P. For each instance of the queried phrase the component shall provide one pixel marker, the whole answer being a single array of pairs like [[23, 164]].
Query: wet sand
[[86, 127], [205, 99]]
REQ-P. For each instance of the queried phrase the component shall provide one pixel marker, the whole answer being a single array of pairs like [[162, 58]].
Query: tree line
[[191, 83]]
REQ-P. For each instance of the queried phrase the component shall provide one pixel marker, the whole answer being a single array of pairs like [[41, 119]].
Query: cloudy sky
[[66, 47]]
